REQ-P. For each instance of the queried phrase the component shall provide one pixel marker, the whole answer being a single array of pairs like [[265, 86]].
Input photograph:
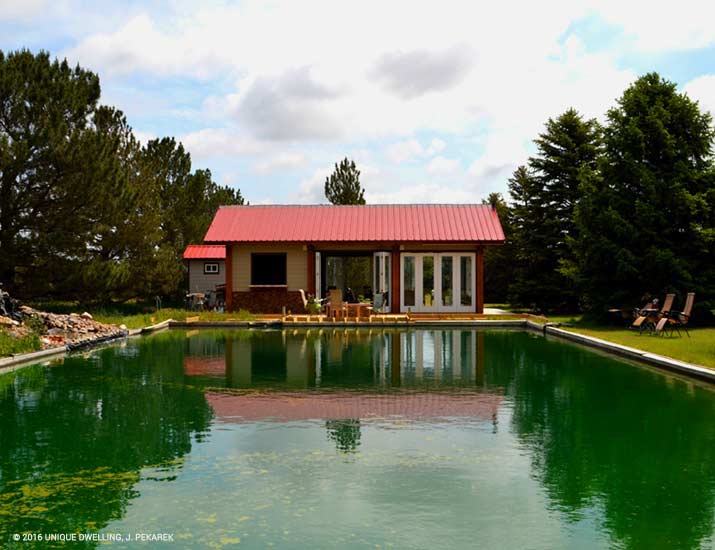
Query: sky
[[437, 102]]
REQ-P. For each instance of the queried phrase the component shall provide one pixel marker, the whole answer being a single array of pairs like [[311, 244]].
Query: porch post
[[311, 269], [480, 279], [395, 286], [229, 277]]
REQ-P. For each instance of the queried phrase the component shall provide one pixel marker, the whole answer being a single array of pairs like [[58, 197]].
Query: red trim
[[229, 278], [395, 286]]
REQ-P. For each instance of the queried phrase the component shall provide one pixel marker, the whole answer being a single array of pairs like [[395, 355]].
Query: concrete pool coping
[[13, 362]]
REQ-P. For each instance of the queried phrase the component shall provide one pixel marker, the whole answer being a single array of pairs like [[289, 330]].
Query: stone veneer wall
[[268, 300]]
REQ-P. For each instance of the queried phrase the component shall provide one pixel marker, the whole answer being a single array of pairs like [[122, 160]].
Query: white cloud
[[441, 166], [421, 193], [24, 9], [702, 90], [435, 146], [293, 77], [404, 150], [311, 190], [409, 149], [281, 161], [220, 142]]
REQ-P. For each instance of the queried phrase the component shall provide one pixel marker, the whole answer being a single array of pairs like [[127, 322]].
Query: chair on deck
[[677, 319], [336, 307], [648, 318]]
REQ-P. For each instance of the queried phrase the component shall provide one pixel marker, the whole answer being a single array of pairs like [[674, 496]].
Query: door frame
[[437, 306]]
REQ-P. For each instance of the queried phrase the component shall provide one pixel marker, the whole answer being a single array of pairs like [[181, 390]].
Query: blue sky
[[435, 101]]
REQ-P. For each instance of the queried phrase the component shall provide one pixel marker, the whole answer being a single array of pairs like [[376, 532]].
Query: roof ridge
[[382, 204]]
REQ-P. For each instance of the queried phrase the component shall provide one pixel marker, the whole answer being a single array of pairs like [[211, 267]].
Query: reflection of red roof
[[334, 406], [381, 222], [205, 252], [196, 366]]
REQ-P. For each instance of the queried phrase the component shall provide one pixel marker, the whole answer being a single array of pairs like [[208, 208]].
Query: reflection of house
[[207, 267], [423, 258], [424, 406], [335, 358]]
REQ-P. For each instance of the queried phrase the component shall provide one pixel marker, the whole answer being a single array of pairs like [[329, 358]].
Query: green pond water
[[356, 439]]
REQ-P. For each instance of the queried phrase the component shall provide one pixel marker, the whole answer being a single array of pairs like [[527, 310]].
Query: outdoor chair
[[336, 307], [677, 319], [648, 318], [378, 302]]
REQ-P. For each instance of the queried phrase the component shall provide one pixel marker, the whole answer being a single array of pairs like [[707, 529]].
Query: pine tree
[[498, 260], [343, 185], [648, 223], [544, 196]]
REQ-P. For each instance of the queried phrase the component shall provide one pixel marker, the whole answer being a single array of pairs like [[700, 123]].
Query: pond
[[356, 438]]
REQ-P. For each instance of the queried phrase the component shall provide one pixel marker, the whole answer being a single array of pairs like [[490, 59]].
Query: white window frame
[[211, 271], [437, 305]]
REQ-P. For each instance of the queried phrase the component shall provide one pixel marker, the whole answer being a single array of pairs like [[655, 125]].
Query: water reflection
[[74, 437], [589, 451], [334, 358]]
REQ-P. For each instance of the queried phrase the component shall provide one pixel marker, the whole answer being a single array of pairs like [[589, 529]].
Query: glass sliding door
[[441, 282], [466, 284], [408, 281], [447, 281], [428, 277]]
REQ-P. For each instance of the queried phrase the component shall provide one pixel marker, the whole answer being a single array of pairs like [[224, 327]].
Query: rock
[[5, 321], [86, 315]]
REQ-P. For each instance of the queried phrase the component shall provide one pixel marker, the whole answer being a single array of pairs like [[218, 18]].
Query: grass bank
[[9, 345], [139, 320], [698, 349]]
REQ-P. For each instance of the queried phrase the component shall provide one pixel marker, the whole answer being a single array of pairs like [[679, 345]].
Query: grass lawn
[[140, 320], [10, 345], [698, 349]]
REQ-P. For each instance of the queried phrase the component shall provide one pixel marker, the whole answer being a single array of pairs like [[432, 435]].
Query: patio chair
[[648, 318], [677, 319], [336, 306], [378, 302]]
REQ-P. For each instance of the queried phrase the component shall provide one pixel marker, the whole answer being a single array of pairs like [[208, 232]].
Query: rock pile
[[73, 330]]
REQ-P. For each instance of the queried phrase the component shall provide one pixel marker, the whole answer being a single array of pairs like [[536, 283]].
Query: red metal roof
[[205, 252], [329, 223]]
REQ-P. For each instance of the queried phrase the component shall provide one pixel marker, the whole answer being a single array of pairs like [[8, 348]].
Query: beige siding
[[296, 269], [200, 281]]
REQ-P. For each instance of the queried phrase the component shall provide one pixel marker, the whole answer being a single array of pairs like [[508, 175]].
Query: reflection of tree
[[345, 433], [74, 437], [613, 436]]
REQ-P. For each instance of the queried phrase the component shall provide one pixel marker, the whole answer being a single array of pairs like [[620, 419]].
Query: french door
[[437, 282], [381, 278]]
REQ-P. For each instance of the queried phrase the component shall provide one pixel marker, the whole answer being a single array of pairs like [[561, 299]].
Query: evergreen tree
[[187, 202], [544, 198], [343, 185], [85, 212], [498, 260], [647, 225]]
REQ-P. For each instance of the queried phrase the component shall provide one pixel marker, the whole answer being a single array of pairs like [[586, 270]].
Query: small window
[[268, 269], [210, 268]]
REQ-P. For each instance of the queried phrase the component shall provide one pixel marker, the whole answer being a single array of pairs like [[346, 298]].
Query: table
[[361, 309]]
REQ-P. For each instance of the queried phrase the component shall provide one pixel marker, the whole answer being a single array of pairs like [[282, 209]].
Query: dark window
[[268, 269], [210, 268]]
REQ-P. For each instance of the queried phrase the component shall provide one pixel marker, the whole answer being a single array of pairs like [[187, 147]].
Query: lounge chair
[[677, 319], [649, 318]]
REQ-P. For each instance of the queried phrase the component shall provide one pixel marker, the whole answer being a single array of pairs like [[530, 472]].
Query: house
[[207, 267], [416, 258]]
